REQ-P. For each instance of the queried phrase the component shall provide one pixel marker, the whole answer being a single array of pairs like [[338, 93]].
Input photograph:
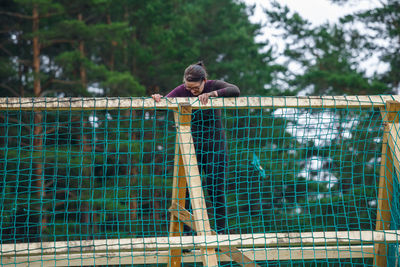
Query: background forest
[[107, 173]]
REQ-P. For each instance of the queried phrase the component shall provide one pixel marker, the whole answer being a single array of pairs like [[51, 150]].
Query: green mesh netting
[[393, 255], [106, 173]]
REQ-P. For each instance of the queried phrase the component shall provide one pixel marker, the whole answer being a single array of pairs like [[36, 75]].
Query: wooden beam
[[234, 253], [162, 257], [77, 103], [394, 145], [263, 240], [385, 190], [193, 180], [178, 198]]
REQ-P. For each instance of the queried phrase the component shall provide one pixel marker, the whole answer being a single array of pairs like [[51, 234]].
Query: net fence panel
[[301, 170], [95, 185]]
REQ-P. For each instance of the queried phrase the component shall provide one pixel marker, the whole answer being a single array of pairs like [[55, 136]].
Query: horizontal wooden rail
[[199, 242], [161, 257], [47, 103]]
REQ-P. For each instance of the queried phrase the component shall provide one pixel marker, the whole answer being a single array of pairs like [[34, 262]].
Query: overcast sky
[[316, 11]]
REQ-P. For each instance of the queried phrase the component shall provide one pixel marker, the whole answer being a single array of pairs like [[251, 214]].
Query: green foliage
[[328, 56], [122, 84], [382, 39], [144, 44]]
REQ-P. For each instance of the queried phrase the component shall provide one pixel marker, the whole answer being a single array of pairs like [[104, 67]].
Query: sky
[[317, 12]]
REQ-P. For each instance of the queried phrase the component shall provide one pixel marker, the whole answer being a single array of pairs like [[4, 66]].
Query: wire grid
[[106, 174]]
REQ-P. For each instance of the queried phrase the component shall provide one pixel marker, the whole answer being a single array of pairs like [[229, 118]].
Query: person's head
[[195, 77]]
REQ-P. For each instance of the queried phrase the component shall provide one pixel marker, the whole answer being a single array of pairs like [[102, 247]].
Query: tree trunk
[[156, 206], [125, 43], [133, 206], [82, 53], [38, 131], [36, 52], [133, 173], [84, 211], [113, 45]]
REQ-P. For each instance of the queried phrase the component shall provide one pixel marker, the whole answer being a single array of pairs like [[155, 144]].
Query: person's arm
[[220, 89], [178, 91], [224, 89]]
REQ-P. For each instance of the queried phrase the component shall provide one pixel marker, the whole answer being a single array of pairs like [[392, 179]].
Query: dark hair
[[195, 72]]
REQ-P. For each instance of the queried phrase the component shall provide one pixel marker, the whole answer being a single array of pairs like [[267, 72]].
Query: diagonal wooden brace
[[234, 253], [186, 166]]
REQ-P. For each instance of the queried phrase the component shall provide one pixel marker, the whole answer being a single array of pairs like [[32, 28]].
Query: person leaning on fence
[[208, 134]]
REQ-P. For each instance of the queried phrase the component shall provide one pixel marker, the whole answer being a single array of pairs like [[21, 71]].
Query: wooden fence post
[[190, 171], [385, 194]]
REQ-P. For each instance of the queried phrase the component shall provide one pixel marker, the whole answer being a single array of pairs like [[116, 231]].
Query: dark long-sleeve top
[[223, 89], [206, 123]]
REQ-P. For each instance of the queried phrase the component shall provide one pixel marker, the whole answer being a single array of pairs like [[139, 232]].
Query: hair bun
[[200, 63], [195, 73]]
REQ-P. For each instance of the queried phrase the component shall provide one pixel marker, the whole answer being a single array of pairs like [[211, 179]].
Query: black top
[[206, 123]]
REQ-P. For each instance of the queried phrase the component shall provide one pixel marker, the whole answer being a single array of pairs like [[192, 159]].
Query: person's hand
[[204, 97], [157, 97]]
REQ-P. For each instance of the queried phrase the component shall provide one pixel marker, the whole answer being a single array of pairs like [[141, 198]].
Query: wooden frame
[[318, 245], [389, 165], [190, 172], [265, 247], [48, 103], [263, 240], [162, 257]]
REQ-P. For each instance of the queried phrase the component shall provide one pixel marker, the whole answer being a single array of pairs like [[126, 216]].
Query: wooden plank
[[205, 241], [386, 170], [161, 257], [234, 253], [178, 198], [197, 199], [394, 145], [385, 191], [184, 216], [193, 180], [76, 103]]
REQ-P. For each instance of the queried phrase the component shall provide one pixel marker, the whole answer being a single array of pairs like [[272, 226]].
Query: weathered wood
[[161, 257], [234, 253], [392, 111], [302, 239], [385, 191], [75, 103], [394, 145], [178, 198], [193, 180], [184, 216]]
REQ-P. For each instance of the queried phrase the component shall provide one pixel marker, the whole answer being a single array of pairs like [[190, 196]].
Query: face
[[196, 88]]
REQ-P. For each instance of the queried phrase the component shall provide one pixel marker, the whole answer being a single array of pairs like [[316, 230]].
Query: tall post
[[178, 199], [187, 158], [385, 194]]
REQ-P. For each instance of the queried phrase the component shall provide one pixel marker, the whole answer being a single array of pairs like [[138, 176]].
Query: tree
[[380, 36], [327, 55], [121, 48], [327, 62]]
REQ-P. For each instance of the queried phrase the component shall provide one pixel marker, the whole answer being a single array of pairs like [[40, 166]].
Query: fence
[[102, 181]]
